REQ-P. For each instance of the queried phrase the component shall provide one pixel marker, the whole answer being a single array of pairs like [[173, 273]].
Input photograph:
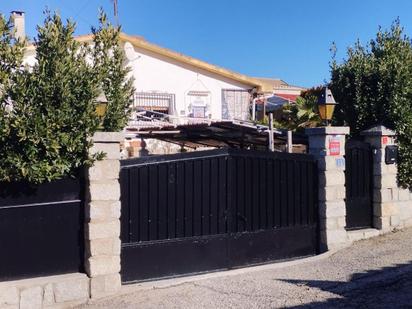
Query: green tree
[[11, 57], [373, 85], [53, 108], [301, 114], [115, 84], [47, 112]]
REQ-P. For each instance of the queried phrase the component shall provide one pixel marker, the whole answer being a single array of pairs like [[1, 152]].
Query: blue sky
[[269, 38]]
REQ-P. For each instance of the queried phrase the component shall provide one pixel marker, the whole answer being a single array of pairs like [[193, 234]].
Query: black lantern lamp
[[326, 105]]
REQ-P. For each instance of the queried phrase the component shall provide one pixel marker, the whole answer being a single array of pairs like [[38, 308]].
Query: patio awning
[[236, 134]]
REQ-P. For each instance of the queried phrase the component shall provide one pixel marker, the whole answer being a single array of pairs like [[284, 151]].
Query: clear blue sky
[[270, 38]]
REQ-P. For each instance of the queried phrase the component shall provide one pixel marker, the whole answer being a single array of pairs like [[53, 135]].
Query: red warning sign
[[334, 146]]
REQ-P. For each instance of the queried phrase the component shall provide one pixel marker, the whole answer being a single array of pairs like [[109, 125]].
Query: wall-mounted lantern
[[326, 105]]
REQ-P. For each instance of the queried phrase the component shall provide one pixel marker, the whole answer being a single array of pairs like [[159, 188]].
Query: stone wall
[[102, 242], [392, 205], [60, 291], [392, 208], [102, 227], [150, 146], [331, 195]]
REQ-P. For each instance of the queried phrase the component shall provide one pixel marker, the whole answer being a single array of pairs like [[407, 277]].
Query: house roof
[[273, 82], [278, 84], [289, 97], [140, 42]]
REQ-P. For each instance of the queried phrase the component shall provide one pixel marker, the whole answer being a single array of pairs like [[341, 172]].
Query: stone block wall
[[327, 144], [102, 242], [392, 204], [150, 146], [61, 291], [102, 227]]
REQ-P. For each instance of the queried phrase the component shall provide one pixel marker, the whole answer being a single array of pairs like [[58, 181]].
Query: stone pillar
[[327, 144], [102, 230], [387, 196]]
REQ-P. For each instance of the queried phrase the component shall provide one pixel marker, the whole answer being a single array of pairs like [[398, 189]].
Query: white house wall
[[153, 72], [29, 58], [156, 73]]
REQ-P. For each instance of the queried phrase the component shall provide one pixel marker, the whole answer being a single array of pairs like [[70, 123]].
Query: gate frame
[[143, 258], [392, 205], [364, 146]]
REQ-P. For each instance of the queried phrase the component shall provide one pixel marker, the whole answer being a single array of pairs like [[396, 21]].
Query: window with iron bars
[[236, 104], [154, 101]]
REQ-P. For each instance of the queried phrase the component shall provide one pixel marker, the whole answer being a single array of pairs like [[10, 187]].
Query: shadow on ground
[[388, 287]]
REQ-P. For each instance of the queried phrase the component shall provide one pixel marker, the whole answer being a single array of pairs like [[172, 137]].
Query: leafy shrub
[[373, 85], [118, 89], [302, 114], [47, 111]]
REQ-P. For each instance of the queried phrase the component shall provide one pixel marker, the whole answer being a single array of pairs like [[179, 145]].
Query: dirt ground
[[374, 273]]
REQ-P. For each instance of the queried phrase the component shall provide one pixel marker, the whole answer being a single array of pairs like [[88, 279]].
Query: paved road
[[375, 273]]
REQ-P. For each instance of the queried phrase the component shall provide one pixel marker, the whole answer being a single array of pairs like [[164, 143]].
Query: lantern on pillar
[[101, 105], [326, 105]]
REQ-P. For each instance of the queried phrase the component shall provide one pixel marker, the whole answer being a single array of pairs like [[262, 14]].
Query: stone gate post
[[102, 227], [327, 144], [392, 205]]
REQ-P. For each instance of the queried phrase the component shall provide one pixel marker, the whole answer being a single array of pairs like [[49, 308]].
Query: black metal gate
[[41, 229], [359, 208], [218, 209]]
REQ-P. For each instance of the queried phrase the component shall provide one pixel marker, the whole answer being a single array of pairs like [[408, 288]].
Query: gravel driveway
[[375, 273]]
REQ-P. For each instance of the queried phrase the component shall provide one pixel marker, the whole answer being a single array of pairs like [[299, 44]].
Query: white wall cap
[[108, 137], [327, 131], [379, 130]]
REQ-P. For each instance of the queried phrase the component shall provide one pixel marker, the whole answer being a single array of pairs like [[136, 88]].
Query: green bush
[[301, 114], [373, 85], [118, 89], [47, 112]]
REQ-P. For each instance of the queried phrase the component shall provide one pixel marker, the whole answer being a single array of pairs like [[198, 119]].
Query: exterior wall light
[[326, 105]]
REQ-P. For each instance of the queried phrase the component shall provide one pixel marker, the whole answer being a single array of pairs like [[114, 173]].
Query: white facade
[[192, 87], [197, 92]]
